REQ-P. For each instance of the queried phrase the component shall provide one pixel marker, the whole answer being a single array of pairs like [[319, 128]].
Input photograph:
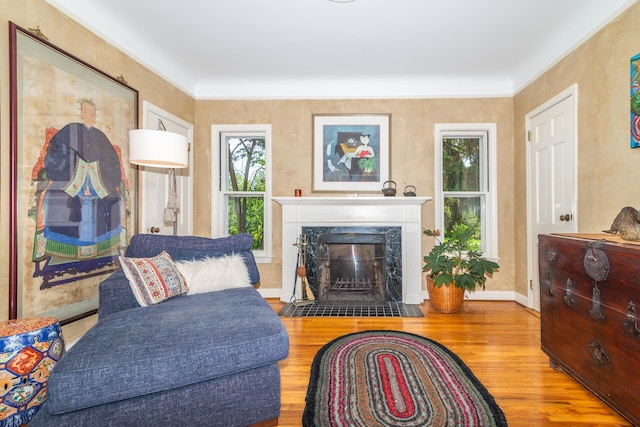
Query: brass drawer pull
[[600, 357], [631, 324], [546, 284], [595, 312], [568, 296], [595, 261]]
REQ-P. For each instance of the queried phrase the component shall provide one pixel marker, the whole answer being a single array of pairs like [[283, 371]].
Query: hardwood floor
[[499, 341]]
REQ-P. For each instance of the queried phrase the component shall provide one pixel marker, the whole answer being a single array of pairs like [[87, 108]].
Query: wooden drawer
[[564, 258], [620, 379], [593, 334], [566, 342]]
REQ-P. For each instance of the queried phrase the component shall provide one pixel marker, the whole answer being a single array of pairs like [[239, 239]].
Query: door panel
[[155, 181], [552, 172]]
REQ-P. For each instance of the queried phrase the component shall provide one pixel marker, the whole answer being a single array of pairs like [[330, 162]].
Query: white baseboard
[[491, 295], [522, 299], [270, 292], [484, 296], [477, 296]]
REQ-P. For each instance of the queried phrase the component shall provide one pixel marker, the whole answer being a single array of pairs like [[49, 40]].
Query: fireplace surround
[[346, 212], [350, 269], [392, 236]]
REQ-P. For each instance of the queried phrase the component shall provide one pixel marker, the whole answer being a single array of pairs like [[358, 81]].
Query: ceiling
[[273, 49]]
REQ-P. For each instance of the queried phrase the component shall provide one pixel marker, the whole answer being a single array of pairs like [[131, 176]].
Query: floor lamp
[[161, 149]]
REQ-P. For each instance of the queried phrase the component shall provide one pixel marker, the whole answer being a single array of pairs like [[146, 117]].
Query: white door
[[154, 182], [552, 176]]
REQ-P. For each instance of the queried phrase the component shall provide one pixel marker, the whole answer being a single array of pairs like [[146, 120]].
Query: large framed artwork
[[73, 192], [635, 101], [351, 152]]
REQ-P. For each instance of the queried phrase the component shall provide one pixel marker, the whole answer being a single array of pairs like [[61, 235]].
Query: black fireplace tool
[[301, 272]]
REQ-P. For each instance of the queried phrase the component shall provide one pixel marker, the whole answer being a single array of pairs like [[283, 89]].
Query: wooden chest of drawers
[[589, 299]]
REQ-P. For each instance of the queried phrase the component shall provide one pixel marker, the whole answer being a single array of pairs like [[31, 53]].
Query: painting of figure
[[81, 192], [351, 153], [74, 191]]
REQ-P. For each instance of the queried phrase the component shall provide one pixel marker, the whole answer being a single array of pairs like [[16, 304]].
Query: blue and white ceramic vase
[[29, 349]]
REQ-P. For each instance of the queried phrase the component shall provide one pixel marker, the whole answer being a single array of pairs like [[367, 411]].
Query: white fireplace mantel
[[404, 212]]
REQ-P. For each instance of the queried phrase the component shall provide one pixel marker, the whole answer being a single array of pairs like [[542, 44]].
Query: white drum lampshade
[[158, 148]]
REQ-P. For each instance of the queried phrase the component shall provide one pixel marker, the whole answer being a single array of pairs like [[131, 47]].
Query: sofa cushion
[[154, 279], [185, 340], [194, 247], [214, 273], [236, 400]]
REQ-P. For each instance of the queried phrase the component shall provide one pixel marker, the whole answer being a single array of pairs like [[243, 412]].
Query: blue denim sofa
[[194, 360]]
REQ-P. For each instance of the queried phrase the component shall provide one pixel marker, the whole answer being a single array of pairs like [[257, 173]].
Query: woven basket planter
[[445, 299]]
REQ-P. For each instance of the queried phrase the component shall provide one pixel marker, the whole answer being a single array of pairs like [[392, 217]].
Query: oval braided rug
[[390, 378]]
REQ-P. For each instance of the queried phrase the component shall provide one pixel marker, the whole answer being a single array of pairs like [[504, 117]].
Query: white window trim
[[491, 204], [217, 195]]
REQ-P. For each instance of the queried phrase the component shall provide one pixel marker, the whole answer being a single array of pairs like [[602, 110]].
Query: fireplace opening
[[351, 269]]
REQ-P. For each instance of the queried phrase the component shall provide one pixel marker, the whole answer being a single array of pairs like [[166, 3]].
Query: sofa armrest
[[115, 295]]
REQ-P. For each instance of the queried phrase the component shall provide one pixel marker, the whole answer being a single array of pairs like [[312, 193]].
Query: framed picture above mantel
[[351, 152]]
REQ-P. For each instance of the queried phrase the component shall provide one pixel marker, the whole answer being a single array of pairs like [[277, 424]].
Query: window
[[466, 178], [241, 184]]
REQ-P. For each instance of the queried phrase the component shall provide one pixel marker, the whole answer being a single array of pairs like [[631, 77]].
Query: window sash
[[241, 220], [481, 137], [226, 141], [255, 225], [485, 134], [468, 201], [223, 193]]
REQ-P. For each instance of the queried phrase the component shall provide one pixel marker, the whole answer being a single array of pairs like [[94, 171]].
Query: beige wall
[[75, 39], [411, 146], [607, 166], [608, 170]]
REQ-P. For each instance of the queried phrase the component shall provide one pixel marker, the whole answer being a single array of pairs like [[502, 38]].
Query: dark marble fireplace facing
[[393, 242], [351, 269]]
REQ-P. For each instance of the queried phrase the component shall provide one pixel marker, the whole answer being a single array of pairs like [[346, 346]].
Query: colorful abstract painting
[[635, 101]]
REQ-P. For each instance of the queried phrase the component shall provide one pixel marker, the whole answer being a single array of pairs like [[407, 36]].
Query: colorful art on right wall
[[635, 101]]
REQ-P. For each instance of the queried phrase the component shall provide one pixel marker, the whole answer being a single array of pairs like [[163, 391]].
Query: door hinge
[[530, 284], [529, 135]]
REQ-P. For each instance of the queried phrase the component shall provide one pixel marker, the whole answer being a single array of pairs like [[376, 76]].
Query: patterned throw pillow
[[153, 280]]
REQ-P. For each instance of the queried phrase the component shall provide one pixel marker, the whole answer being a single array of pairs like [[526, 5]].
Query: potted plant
[[368, 164], [454, 267]]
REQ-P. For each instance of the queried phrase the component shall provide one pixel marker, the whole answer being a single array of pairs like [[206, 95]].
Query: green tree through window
[[245, 189], [461, 184], [466, 176]]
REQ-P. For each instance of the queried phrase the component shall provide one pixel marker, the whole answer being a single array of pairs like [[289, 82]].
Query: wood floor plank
[[499, 341]]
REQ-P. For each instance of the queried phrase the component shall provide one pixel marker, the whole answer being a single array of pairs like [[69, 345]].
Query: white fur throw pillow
[[214, 274]]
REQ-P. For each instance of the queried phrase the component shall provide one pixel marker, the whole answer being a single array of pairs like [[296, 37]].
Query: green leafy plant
[[452, 262], [368, 164]]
